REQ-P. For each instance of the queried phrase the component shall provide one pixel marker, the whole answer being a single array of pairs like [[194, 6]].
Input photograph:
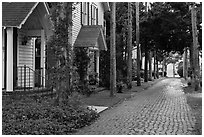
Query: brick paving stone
[[160, 110]]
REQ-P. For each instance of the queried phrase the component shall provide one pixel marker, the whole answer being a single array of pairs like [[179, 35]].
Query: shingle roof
[[89, 36], [14, 13]]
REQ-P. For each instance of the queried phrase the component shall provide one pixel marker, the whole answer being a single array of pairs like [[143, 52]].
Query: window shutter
[[81, 14], [88, 13], [91, 14], [97, 16]]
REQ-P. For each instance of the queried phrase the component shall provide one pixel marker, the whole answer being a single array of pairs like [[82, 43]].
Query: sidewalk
[[101, 100]]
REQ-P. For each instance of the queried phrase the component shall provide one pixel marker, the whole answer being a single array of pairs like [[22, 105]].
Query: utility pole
[[195, 46], [137, 43], [185, 65], [129, 73], [112, 51]]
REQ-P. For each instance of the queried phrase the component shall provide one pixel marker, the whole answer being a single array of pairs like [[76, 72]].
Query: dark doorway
[[38, 62], [15, 38]]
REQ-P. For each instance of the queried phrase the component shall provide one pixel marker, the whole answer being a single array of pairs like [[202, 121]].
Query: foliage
[[81, 61], [59, 49], [180, 71], [104, 70], [41, 117], [167, 26]]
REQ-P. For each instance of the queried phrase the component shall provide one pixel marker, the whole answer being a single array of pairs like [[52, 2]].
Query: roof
[[14, 14], [89, 36]]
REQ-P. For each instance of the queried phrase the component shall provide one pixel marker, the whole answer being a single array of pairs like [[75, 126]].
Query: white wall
[[76, 17], [25, 57], [170, 70]]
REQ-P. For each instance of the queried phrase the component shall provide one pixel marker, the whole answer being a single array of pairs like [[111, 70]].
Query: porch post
[[3, 58], [43, 56], [97, 65], [9, 64]]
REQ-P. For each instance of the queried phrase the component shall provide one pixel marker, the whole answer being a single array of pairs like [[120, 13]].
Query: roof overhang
[[91, 36], [27, 16], [31, 11]]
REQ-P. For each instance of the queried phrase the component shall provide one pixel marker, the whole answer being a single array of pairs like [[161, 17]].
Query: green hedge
[[40, 117]]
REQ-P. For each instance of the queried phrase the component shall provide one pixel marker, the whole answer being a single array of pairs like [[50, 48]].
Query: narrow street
[[162, 110]]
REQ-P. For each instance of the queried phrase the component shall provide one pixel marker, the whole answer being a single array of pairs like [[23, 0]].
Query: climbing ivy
[[59, 49]]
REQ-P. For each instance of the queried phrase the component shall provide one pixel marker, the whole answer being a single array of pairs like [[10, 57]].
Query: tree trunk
[[185, 67], [163, 66], [129, 73], [112, 51], [191, 61], [146, 65], [196, 70], [69, 49], [157, 68], [137, 44], [154, 64], [150, 65]]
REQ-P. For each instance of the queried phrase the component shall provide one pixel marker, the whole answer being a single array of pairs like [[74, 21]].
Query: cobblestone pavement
[[160, 110]]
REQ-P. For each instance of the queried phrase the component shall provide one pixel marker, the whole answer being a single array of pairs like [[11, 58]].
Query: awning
[[91, 36]]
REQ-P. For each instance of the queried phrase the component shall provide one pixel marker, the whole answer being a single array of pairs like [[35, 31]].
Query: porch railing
[[30, 79]]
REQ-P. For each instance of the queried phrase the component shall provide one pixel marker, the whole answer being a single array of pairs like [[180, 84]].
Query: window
[[84, 13], [94, 15]]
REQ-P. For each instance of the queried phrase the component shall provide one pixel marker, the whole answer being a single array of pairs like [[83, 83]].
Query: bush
[[29, 116], [180, 71]]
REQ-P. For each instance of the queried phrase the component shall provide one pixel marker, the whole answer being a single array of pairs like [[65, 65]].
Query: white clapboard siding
[[25, 57], [76, 17], [100, 13]]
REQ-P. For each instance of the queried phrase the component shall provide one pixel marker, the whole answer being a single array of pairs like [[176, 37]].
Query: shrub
[[29, 116], [180, 71]]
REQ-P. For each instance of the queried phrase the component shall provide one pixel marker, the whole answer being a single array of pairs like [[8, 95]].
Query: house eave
[[31, 11], [27, 16]]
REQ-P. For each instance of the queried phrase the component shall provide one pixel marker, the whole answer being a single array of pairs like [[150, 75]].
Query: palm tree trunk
[[185, 68], [163, 66], [157, 67], [146, 64], [112, 51], [137, 44], [150, 65], [196, 71], [129, 72], [154, 64]]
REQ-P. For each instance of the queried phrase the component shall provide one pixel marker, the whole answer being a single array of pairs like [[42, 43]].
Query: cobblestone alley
[[162, 110]]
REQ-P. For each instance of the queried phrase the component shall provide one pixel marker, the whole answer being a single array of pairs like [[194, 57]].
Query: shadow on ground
[[194, 100]]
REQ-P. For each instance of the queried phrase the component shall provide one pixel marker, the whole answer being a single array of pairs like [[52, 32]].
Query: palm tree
[[137, 44], [112, 51], [129, 72]]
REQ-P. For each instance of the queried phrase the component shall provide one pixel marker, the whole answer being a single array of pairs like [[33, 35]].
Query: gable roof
[[15, 14], [89, 35]]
